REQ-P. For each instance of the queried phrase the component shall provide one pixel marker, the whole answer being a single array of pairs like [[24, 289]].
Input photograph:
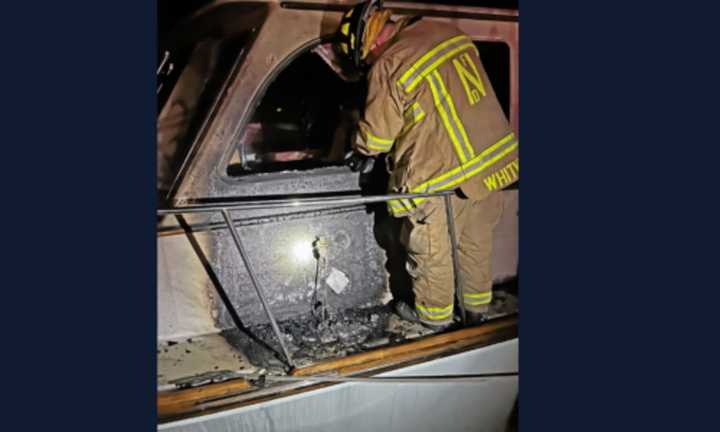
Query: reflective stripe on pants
[[425, 236]]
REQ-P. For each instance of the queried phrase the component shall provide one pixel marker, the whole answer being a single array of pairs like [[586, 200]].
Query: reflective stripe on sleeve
[[413, 116], [416, 113], [378, 144], [400, 206]]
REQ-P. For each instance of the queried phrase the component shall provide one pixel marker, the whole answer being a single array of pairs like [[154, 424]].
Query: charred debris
[[311, 338]]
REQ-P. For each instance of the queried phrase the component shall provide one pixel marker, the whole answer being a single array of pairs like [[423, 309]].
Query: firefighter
[[432, 111]]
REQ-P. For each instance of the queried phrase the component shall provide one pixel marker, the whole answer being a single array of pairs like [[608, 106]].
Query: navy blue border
[[78, 171], [618, 227], [618, 237]]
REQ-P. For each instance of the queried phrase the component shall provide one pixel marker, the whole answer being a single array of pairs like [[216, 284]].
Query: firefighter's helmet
[[350, 36]]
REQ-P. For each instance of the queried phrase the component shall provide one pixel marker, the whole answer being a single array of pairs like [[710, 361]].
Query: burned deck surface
[[199, 360], [264, 386], [310, 339]]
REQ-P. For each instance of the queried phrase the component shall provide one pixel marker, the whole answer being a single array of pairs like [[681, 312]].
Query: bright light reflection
[[302, 250]]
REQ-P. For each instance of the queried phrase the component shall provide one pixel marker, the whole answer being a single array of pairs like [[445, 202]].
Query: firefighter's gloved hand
[[354, 160], [359, 163]]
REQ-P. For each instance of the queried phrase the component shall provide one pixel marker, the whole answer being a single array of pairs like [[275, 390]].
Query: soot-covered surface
[[289, 271], [310, 338]]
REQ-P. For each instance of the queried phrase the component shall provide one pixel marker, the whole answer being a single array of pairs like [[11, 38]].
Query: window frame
[[266, 176], [204, 122]]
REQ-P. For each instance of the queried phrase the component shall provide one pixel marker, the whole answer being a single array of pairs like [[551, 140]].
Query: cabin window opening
[[305, 120], [495, 57]]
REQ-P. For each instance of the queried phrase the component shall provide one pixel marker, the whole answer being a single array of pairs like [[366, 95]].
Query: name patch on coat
[[505, 176]]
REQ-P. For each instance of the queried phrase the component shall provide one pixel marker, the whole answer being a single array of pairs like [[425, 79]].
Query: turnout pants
[[426, 237]]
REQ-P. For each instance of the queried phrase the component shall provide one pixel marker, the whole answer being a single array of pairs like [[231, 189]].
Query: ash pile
[[313, 337], [317, 336]]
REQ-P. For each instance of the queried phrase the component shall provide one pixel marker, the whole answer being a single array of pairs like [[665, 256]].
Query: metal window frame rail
[[300, 202]]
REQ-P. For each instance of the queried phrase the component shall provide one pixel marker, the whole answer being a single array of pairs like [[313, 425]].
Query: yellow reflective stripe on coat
[[415, 113], [473, 167], [444, 106], [453, 113], [378, 144], [457, 175], [478, 299], [398, 209], [435, 313], [413, 116], [432, 59], [399, 206]]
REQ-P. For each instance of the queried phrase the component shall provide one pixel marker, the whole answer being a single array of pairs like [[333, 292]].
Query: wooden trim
[[175, 402], [461, 338], [183, 403]]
